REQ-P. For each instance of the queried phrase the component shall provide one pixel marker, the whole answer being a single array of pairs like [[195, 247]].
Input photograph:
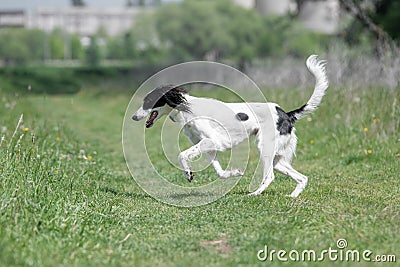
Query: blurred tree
[[215, 30], [22, 45], [272, 38], [57, 44], [148, 45], [367, 14], [77, 51], [129, 45], [387, 15], [244, 27], [115, 48], [194, 29], [129, 3], [78, 3], [14, 52], [93, 52], [209, 29], [121, 47]]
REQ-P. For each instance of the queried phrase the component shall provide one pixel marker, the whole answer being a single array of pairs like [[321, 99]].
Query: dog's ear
[[175, 99]]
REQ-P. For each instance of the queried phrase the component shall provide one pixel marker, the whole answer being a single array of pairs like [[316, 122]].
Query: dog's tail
[[317, 68]]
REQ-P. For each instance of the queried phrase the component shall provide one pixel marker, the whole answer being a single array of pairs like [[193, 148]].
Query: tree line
[[200, 30]]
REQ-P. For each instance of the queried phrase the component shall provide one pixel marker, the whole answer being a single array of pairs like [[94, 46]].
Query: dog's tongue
[[151, 119]]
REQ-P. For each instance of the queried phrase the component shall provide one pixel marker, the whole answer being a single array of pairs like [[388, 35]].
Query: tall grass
[[347, 68]]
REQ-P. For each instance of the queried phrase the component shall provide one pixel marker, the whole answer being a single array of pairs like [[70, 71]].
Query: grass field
[[67, 198]]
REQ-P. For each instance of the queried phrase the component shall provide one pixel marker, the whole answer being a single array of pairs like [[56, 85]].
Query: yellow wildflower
[[365, 129], [369, 151], [89, 157], [25, 129], [58, 138], [55, 171], [375, 120], [312, 142]]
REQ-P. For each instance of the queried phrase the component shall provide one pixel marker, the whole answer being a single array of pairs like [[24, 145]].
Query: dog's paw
[[255, 193], [230, 173], [293, 195], [297, 191], [189, 175], [237, 172]]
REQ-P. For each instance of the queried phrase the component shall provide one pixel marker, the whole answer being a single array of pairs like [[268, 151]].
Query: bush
[[38, 80]]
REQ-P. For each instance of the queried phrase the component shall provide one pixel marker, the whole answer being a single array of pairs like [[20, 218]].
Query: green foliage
[[387, 15], [121, 47], [77, 51], [57, 44], [69, 80], [192, 29], [19, 46], [27, 46], [244, 28], [226, 31], [38, 80], [300, 42], [188, 30], [384, 13], [93, 52], [149, 48]]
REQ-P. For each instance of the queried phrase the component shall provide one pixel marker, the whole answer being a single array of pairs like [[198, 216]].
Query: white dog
[[214, 126]]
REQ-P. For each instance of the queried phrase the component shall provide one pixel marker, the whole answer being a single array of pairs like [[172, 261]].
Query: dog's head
[[161, 101]]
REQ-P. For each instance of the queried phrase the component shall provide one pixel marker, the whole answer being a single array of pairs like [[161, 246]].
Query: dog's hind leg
[[204, 146], [284, 167], [264, 144], [267, 180], [212, 155]]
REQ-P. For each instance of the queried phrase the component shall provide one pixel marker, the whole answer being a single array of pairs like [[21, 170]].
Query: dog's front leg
[[205, 145]]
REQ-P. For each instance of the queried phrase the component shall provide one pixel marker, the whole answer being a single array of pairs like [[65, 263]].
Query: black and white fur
[[227, 124]]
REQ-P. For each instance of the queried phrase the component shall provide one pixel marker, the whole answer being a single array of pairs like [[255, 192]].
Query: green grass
[[68, 199]]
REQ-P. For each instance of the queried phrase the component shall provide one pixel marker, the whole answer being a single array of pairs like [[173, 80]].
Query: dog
[[214, 126]]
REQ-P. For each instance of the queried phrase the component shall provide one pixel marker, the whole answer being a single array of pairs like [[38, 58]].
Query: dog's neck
[[177, 115]]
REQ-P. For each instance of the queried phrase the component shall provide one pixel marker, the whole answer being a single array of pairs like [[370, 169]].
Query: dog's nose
[[135, 117]]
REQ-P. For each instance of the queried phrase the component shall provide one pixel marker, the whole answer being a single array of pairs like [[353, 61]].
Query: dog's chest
[[224, 136]]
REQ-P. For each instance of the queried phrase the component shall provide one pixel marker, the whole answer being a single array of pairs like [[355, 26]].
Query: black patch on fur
[[292, 114], [166, 94], [284, 123], [242, 116]]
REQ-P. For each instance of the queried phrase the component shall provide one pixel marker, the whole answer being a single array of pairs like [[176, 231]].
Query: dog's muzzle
[[140, 114]]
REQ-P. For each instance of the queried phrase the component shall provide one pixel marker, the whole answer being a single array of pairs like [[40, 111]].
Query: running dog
[[214, 126]]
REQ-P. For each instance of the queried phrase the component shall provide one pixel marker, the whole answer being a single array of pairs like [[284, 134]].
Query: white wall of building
[[84, 21]]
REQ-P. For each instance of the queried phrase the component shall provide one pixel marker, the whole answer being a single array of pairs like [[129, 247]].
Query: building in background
[[84, 21], [320, 16], [12, 18]]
